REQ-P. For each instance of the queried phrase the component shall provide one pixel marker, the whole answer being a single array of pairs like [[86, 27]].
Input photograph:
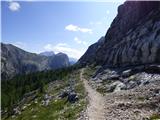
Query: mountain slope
[[17, 61], [133, 37]]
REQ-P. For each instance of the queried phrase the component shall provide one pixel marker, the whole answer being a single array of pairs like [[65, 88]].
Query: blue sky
[[68, 27]]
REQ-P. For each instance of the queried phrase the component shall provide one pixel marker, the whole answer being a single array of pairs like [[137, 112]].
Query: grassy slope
[[57, 108]]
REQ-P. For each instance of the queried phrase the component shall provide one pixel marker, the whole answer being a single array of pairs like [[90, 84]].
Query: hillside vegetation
[[38, 96]]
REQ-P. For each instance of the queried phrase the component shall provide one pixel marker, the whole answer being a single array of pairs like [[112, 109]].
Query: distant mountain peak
[[60, 53], [17, 61], [47, 53]]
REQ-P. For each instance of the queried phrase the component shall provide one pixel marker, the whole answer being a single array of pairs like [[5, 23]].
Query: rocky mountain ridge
[[51, 53], [17, 61], [133, 37]]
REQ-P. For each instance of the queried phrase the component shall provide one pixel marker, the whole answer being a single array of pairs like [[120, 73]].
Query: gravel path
[[95, 109]]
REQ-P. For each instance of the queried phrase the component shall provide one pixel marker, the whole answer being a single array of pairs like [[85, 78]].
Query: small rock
[[131, 85], [63, 94], [72, 97], [127, 73], [116, 86]]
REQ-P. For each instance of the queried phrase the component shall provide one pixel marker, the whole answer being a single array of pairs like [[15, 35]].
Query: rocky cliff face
[[90, 55], [133, 37], [17, 61], [58, 61]]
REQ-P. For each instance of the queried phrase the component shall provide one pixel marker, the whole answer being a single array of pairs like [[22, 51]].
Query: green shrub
[[155, 117]]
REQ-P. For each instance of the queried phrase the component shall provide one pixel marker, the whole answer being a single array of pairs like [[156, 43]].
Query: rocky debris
[[45, 102], [16, 111], [70, 94], [83, 115], [135, 104], [116, 86], [131, 84], [47, 98], [106, 74], [28, 97], [115, 79]]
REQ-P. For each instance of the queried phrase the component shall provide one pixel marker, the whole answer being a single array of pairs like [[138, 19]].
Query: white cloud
[[71, 27], [76, 28], [14, 6], [77, 40], [48, 47], [65, 48]]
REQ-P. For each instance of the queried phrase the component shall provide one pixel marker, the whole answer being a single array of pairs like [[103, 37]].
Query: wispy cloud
[[77, 28], [14, 6], [77, 40], [48, 47], [65, 48]]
